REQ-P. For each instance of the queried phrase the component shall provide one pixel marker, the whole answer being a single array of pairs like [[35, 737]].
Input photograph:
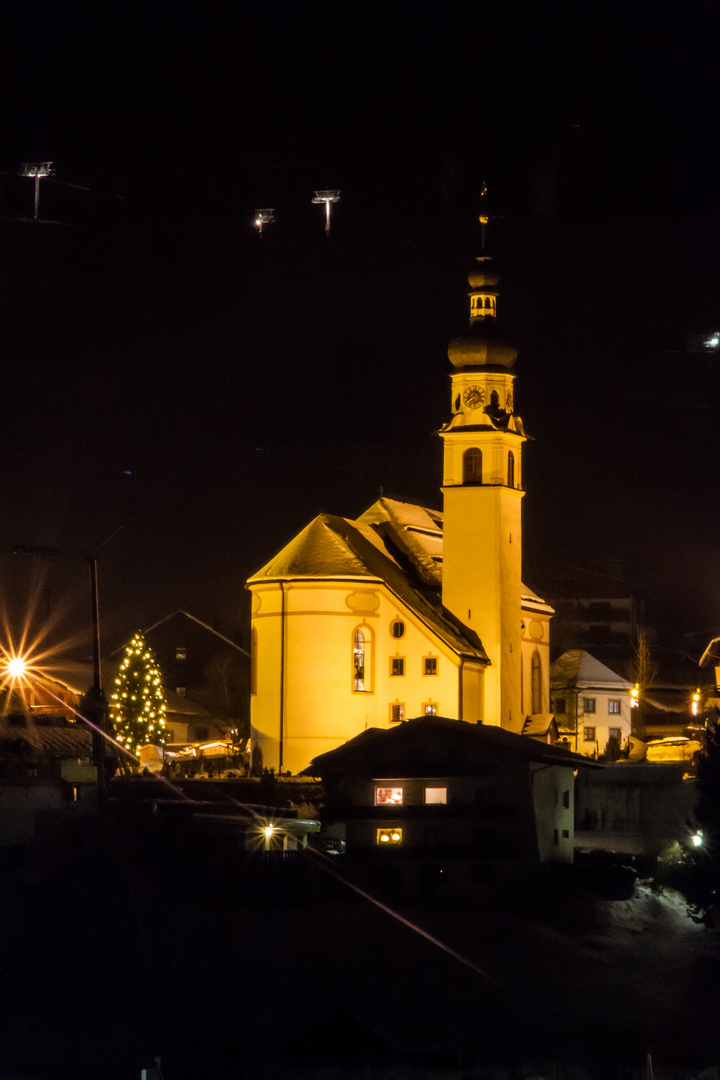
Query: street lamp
[[95, 703], [326, 197], [37, 171]]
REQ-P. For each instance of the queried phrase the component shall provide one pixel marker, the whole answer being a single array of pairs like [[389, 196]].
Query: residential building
[[591, 704], [442, 803]]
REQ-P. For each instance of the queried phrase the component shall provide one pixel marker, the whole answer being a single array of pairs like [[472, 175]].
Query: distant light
[[269, 830], [635, 696], [696, 839], [713, 341], [16, 667], [263, 218], [695, 705]]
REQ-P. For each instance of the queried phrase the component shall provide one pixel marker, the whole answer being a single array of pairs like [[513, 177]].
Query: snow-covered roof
[[578, 668], [393, 542]]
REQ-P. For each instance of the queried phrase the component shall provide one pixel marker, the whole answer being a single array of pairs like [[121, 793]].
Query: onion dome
[[480, 346]]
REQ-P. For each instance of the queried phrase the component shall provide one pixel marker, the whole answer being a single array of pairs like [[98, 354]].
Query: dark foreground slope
[[120, 942]]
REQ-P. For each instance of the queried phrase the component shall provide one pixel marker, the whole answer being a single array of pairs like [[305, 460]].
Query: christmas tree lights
[[137, 704]]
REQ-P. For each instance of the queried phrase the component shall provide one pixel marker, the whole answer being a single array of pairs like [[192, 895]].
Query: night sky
[[166, 370]]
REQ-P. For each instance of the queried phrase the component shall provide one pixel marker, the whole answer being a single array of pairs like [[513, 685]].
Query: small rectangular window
[[560, 705], [566, 834], [589, 704], [397, 713], [386, 837], [180, 652], [430, 708], [435, 794], [430, 665], [566, 799], [614, 732], [397, 665], [388, 796], [614, 706], [589, 734]]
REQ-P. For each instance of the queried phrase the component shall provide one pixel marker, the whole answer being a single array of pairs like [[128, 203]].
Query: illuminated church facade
[[408, 611]]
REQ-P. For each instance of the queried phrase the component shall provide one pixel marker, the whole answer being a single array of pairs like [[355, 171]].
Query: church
[[409, 611]]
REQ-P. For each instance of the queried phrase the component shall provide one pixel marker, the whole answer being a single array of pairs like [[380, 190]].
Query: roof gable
[[579, 668]]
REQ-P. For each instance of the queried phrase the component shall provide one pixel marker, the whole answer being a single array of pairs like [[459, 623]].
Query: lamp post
[[37, 171], [326, 197], [94, 702]]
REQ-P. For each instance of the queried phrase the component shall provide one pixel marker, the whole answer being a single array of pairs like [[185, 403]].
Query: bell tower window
[[511, 469], [494, 399], [472, 466]]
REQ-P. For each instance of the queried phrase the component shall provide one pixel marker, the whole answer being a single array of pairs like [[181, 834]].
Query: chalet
[[441, 802]]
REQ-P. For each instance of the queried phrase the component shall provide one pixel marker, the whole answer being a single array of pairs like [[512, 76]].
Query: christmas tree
[[137, 704]]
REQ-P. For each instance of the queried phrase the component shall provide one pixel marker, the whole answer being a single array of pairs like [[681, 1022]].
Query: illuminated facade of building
[[408, 611]]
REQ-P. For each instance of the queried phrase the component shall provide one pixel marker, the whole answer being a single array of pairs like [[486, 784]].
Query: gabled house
[[437, 802], [590, 702], [45, 767]]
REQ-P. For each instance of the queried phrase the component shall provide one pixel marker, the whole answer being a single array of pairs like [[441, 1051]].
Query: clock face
[[474, 396]]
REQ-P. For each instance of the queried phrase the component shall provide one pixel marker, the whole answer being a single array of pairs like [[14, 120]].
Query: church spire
[[482, 492]]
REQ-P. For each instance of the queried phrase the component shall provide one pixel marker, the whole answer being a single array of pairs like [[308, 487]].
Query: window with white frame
[[614, 706], [429, 708], [588, 704]]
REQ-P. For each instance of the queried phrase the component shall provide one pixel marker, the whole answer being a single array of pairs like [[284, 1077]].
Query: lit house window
[[180, 652], [472, 466], [435, 794], [397, 628], [397, 665], [388, 796], [589, 734], [614, 706], [430, 708], [588, 704], [397, 713], [430, 665], [385, 837]]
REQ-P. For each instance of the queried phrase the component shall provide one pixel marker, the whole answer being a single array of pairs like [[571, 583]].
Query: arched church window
[[472, 466], [253, 661], [362, 671], [536, 682], [511, 469], [457, 403]]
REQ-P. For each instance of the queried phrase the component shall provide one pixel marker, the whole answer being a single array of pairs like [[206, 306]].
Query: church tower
[[482, 490]]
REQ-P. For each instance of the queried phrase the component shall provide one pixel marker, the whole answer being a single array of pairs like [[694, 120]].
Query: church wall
[[535, 639], [321, 706], [482, 544]]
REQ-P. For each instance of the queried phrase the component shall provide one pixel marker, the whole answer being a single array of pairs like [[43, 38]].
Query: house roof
[[198, 622], [436, 745], [393, 542], [66, 741], [77, 678], [578, 668], [539, 724]]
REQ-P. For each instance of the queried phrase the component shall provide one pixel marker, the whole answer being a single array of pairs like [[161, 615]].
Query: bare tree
[[643, 670]]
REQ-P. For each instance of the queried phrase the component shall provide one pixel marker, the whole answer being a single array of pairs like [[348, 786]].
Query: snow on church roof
[[396, 543]]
